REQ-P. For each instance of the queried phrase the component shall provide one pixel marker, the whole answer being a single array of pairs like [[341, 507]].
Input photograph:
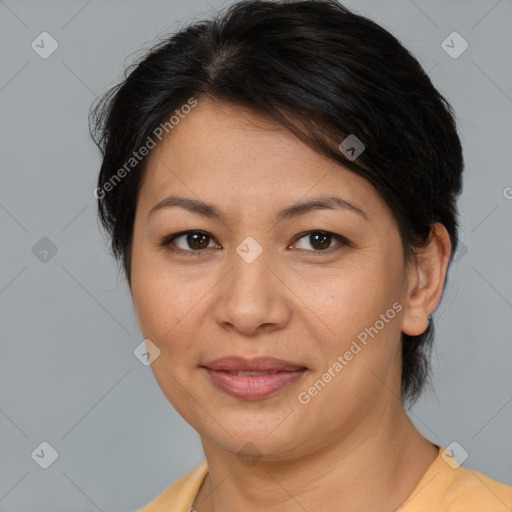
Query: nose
[[252, 297]]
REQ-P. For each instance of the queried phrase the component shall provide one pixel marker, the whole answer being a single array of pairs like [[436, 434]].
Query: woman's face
[[254, 284]]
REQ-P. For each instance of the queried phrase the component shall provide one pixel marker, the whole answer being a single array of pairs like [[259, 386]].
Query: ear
[[425, 281]]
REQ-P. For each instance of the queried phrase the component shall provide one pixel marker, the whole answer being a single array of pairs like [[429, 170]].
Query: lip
[[258, 364], [253, 387]]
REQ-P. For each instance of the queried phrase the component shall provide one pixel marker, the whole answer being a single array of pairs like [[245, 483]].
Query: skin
[[352, 447]]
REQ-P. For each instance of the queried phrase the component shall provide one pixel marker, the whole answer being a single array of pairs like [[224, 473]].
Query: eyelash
[[167, 241]]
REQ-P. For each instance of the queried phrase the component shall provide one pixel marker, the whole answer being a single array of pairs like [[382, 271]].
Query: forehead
[[221, 153]]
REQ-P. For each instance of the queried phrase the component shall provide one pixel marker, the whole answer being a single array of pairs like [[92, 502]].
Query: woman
[[280, 184]]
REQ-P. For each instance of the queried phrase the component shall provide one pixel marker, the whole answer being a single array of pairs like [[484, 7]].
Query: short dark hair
[[324, 73]]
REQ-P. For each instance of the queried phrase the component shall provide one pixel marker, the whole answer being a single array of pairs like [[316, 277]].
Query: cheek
[[168, 308], [349, 299], [361, 309], [165, 312], [154, 294], [163, 308]]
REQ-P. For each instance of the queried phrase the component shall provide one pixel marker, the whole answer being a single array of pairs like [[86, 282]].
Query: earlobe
[[426, 281]]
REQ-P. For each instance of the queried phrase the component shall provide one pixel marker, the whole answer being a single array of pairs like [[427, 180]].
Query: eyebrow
[[211, 211]]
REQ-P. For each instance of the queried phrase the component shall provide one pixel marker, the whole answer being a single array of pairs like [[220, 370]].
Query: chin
[[266, 441]]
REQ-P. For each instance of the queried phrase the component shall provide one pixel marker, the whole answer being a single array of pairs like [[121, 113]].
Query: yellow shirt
[[442, 488]]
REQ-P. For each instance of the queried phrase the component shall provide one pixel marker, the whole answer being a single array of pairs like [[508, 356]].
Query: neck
[[376, 469]]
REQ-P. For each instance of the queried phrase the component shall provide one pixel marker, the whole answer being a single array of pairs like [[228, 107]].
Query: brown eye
[[193, 241], [321, 241], [197, 240]]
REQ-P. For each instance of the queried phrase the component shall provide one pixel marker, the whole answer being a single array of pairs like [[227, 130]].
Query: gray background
[[68, 375]]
